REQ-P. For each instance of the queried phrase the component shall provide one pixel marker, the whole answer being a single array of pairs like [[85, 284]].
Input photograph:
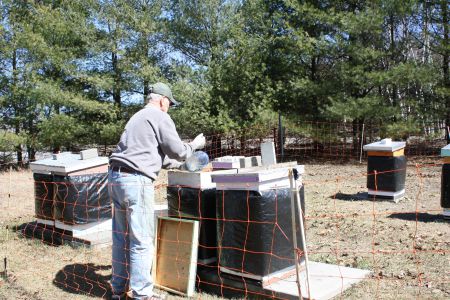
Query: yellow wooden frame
[[397, 153], [175, 261]]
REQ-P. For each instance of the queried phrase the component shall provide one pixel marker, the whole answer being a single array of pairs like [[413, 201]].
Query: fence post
[[362, 141], [275, 140], [280, 134]]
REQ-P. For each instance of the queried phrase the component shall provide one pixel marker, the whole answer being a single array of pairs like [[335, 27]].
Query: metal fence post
[[280, 134]]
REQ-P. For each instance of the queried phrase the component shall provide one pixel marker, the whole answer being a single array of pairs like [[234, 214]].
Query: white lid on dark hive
[[445, 151], [386, 145]]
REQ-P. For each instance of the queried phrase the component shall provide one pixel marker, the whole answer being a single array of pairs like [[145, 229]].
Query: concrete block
[[89, 153], [61, 156], [268, 155], [246, 162], [256, 161]]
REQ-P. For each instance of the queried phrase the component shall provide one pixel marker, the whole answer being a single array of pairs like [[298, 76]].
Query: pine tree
[[215, 38], [48, 42]]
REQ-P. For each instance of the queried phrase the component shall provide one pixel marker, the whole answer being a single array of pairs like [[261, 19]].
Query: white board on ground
[[326, 281]]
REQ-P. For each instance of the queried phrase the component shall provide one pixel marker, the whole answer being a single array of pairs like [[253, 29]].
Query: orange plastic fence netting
[[245, 240]]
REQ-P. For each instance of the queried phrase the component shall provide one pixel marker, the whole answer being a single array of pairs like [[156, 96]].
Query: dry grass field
[[405, 245]]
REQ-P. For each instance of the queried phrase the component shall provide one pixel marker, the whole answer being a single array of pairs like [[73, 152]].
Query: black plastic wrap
[[254, 230], [210, 281], [82, 199], [45, 233], [391, 173], [43, 196], [197, 204], [51, 235], [445, 186]]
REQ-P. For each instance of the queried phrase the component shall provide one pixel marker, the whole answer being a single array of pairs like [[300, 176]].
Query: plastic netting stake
[[5, 260], [295, 199], [294, 233], [303, 236]]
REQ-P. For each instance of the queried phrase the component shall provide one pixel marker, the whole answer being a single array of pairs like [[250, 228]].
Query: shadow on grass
[[49, 235], [361, 196], [85, 279], [40, 232], [420, 217]]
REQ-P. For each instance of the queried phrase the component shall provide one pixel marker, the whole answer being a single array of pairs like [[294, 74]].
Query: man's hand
[[198, 142]]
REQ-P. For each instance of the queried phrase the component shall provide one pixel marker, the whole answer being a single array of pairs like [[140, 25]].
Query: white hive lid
[[385, 145], [259, 178], [445, 151], [255, 175], [66, 162], [199, 179]]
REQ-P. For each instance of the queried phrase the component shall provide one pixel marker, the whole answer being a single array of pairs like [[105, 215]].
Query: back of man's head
[[163, 90], [152, 97]]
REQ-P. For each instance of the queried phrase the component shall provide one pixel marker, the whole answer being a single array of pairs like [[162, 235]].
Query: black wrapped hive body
[[390, 173], [254, 231], [192, 195], [386, 169], [82, 199], [254, 222], [197, 204], [72, 188], [78, 199], [43, 196]]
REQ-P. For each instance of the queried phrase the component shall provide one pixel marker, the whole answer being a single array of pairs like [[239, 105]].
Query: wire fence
[[302, 141], [245, 243]]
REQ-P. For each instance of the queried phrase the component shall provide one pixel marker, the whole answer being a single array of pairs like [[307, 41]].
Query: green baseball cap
[[163, 90]]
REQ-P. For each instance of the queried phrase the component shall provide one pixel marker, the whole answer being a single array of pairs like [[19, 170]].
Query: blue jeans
[[133, 233]]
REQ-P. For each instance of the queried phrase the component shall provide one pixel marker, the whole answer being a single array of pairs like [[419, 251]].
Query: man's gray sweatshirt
[[149, 136]]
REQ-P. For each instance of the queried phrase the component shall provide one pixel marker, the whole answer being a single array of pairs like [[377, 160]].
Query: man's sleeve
[[170, 141], [169, 163]]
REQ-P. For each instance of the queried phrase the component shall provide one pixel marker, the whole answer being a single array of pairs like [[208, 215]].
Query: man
[[149, 142]]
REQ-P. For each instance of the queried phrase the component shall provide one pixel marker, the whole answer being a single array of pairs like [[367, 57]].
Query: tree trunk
[[392, 49], [31, 154], [116, 87], [18, 147], [242, 140], [17, 125], [445, 62], [355, 135], [19, 155], [313, 78], [146, 81], [146, 91], [276, 140]]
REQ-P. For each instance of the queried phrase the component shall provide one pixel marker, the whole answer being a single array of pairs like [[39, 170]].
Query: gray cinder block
[[89, 153], [256, 161], [268, 156], [246, 162]]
